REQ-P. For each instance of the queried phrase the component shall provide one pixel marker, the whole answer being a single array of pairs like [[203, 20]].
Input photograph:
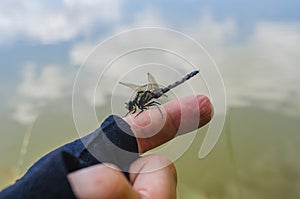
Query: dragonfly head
[[129, 106]]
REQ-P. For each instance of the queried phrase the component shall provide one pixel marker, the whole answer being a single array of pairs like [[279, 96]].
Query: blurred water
[[263, 163]]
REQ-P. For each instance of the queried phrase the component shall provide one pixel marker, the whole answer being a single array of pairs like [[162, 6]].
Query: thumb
[[101, 181]]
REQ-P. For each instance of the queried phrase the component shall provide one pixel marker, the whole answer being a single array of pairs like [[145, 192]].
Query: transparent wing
[[133, 86], [152, 84]]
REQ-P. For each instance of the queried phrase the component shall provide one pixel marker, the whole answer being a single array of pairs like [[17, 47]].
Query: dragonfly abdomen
[[185, 78]]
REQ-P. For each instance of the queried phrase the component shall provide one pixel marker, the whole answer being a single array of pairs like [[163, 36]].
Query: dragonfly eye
[[130, 106]]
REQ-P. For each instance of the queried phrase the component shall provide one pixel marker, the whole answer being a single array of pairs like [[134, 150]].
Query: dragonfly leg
[[155, 103], [127, 113], [131, 111], [139, 112]]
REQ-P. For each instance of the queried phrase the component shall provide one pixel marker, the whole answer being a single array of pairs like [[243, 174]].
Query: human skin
[[151, 129]]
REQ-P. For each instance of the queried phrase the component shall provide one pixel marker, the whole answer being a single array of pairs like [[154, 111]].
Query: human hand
[[106, 181]]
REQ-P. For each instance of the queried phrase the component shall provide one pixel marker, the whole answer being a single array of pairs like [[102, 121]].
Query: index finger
[[180, 116]]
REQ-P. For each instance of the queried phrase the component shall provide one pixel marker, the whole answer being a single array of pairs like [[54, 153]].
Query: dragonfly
[[145, 95]]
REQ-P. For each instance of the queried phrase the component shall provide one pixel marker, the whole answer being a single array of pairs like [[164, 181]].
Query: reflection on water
[[256, 157], [265, 164]]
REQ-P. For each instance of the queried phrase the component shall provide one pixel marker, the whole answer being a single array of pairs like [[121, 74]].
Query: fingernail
[[206, 109]]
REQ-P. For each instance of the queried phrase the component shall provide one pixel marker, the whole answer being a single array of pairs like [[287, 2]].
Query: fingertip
[[206, 109], [151, 163], [154, 176], [189, 113]]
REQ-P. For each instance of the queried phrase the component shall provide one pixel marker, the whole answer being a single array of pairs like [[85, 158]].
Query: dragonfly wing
[[132, 86], [152, 85]]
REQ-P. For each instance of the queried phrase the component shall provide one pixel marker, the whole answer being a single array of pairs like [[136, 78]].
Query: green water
[[263, 162], [256, 156]]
